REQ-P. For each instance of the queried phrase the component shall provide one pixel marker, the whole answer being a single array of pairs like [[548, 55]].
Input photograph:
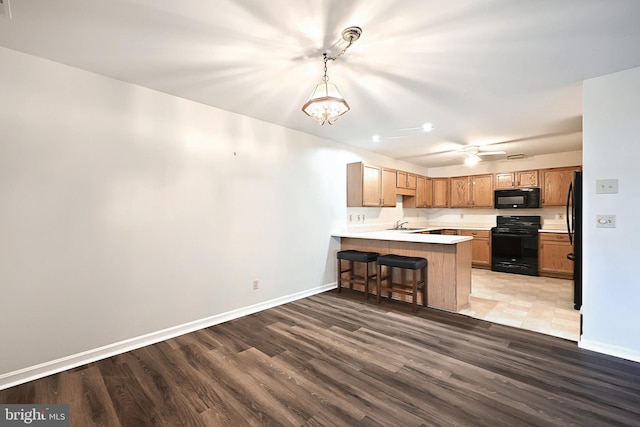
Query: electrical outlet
[[350, 218], [256, 285], [605, 221]]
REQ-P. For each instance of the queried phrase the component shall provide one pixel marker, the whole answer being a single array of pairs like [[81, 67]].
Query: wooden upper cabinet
[[406, 183], [369, 185], [377, 186], [440, 192], [388, 187], [482, 191], [527, 179], [428, 192], [472, 191], [506, 180], [372, 177], [555, 185], [423, 194], [460, 192]]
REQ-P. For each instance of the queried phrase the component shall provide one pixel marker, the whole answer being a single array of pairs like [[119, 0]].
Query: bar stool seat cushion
[[410, 263], [358, 256]]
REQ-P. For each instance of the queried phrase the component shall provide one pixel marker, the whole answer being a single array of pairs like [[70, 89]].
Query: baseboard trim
[[611, 350], [35, 372]]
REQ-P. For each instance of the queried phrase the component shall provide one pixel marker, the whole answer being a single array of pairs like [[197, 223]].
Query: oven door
[[514, 252]]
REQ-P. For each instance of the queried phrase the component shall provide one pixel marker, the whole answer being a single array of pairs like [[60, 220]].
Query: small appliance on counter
[[514, 244]]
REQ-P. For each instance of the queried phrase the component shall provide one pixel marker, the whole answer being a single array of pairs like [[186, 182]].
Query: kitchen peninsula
[[449, 258]]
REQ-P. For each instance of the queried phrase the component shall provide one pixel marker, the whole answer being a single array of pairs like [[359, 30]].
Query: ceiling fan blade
[[491, 153]]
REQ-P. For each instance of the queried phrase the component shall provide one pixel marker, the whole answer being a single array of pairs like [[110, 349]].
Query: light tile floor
[[540, 304]]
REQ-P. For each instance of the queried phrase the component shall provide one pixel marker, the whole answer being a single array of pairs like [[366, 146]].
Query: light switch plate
[[605, 221], [607, 186]]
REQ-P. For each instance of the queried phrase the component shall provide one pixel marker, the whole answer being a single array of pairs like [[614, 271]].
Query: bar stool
[[392, 261], [353, 256]]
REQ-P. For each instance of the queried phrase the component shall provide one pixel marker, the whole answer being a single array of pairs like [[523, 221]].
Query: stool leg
[[414, 289], [424, 286], [339, 275], [350, 274], [378, 284], [366, 280]]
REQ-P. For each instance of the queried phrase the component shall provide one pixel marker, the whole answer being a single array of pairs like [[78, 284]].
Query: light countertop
[[405, 236]]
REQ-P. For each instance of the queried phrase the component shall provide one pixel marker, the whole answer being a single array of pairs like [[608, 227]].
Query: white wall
[[125, 211], [611, 306]]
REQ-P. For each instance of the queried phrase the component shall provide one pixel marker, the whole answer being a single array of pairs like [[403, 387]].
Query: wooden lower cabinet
[[480, 247], [552, 255]]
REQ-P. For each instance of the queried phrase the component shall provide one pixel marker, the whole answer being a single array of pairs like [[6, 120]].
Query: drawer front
[[449, 232], [554, 237], [476, 233]]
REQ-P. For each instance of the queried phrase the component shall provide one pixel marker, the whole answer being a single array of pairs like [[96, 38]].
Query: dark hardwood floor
[[338, 360]]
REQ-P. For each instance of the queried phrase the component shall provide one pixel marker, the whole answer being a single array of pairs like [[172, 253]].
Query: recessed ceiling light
[[427, 127], [375, 138]]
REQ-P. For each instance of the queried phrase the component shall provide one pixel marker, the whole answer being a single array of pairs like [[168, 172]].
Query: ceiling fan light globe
[[471, 160]]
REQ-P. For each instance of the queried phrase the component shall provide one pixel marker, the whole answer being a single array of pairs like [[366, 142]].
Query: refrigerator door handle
[[569, 204]]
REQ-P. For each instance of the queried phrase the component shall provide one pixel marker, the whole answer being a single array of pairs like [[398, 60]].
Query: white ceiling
[[506, 72]]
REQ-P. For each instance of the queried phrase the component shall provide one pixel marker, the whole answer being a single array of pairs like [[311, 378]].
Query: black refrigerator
[[574, 227]]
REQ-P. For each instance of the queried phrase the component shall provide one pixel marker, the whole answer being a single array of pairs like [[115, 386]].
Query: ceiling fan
[[472, 154]]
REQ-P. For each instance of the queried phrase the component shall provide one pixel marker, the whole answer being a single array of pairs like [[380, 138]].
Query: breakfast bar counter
[[448, 257]]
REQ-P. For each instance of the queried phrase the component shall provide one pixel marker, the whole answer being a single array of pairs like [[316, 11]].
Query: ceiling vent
[[5, 9], [515, 156]]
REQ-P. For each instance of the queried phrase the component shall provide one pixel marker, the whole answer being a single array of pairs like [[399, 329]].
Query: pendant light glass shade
[[325, 104]]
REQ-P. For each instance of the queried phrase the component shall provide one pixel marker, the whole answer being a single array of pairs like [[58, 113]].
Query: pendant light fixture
[[326, 104]]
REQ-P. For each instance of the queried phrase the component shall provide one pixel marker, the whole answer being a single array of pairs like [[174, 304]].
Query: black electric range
[[514, 244]]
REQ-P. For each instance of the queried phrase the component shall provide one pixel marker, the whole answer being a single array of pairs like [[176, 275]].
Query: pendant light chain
[[333, 58], [325, 78]]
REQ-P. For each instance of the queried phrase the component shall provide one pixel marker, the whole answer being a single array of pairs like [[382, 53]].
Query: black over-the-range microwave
[[518, 198]]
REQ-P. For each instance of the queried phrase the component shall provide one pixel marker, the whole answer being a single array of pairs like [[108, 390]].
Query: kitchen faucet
[[400, 224]]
